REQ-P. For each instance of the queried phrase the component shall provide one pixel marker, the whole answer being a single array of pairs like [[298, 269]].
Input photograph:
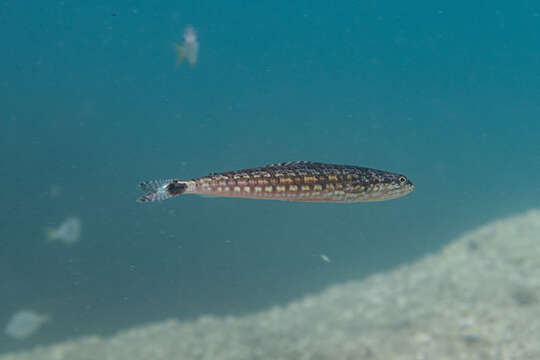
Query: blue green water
[[91, 103]]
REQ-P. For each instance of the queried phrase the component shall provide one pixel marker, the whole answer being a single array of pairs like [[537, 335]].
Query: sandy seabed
[[478, 298]]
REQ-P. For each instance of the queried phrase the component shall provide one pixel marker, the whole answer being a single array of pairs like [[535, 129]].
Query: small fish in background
[[190, 49], [24, 323], [68, 232]]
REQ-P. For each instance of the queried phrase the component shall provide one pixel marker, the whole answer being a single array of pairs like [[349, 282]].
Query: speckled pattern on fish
[[290, 181]]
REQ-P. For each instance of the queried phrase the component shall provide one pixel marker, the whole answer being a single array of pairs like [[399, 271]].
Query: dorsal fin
[[290, 163]]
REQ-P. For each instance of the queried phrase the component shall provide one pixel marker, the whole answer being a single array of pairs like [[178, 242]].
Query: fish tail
[[157, 190]]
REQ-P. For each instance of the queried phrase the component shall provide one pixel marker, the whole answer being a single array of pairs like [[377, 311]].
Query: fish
[[190, 49], [302, 181]]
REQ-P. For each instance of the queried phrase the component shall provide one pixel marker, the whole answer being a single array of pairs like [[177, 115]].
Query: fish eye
[[402, 179]]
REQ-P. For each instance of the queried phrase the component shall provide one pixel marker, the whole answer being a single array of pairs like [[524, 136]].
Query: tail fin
[[157, 190]]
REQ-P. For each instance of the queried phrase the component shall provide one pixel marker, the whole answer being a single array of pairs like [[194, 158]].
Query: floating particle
[[190, 49], [24, 323], [325, 258], [68, 232], [54, 190]]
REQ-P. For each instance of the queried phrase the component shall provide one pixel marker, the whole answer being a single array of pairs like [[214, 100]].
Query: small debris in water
[[190, 49], [54, 190], [325, 258], [24, 323], [68, 232]]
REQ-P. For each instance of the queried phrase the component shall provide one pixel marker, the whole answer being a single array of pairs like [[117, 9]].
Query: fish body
[[190, 49], [291, 181]]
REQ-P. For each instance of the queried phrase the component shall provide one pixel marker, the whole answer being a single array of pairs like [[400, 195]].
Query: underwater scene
[[270, 180]]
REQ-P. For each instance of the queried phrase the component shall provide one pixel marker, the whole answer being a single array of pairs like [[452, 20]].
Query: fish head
[[379, 185], [395, 186]]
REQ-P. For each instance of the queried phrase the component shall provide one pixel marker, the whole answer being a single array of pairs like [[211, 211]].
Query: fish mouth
[[405, 189], [409, 185], [408, 189]]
